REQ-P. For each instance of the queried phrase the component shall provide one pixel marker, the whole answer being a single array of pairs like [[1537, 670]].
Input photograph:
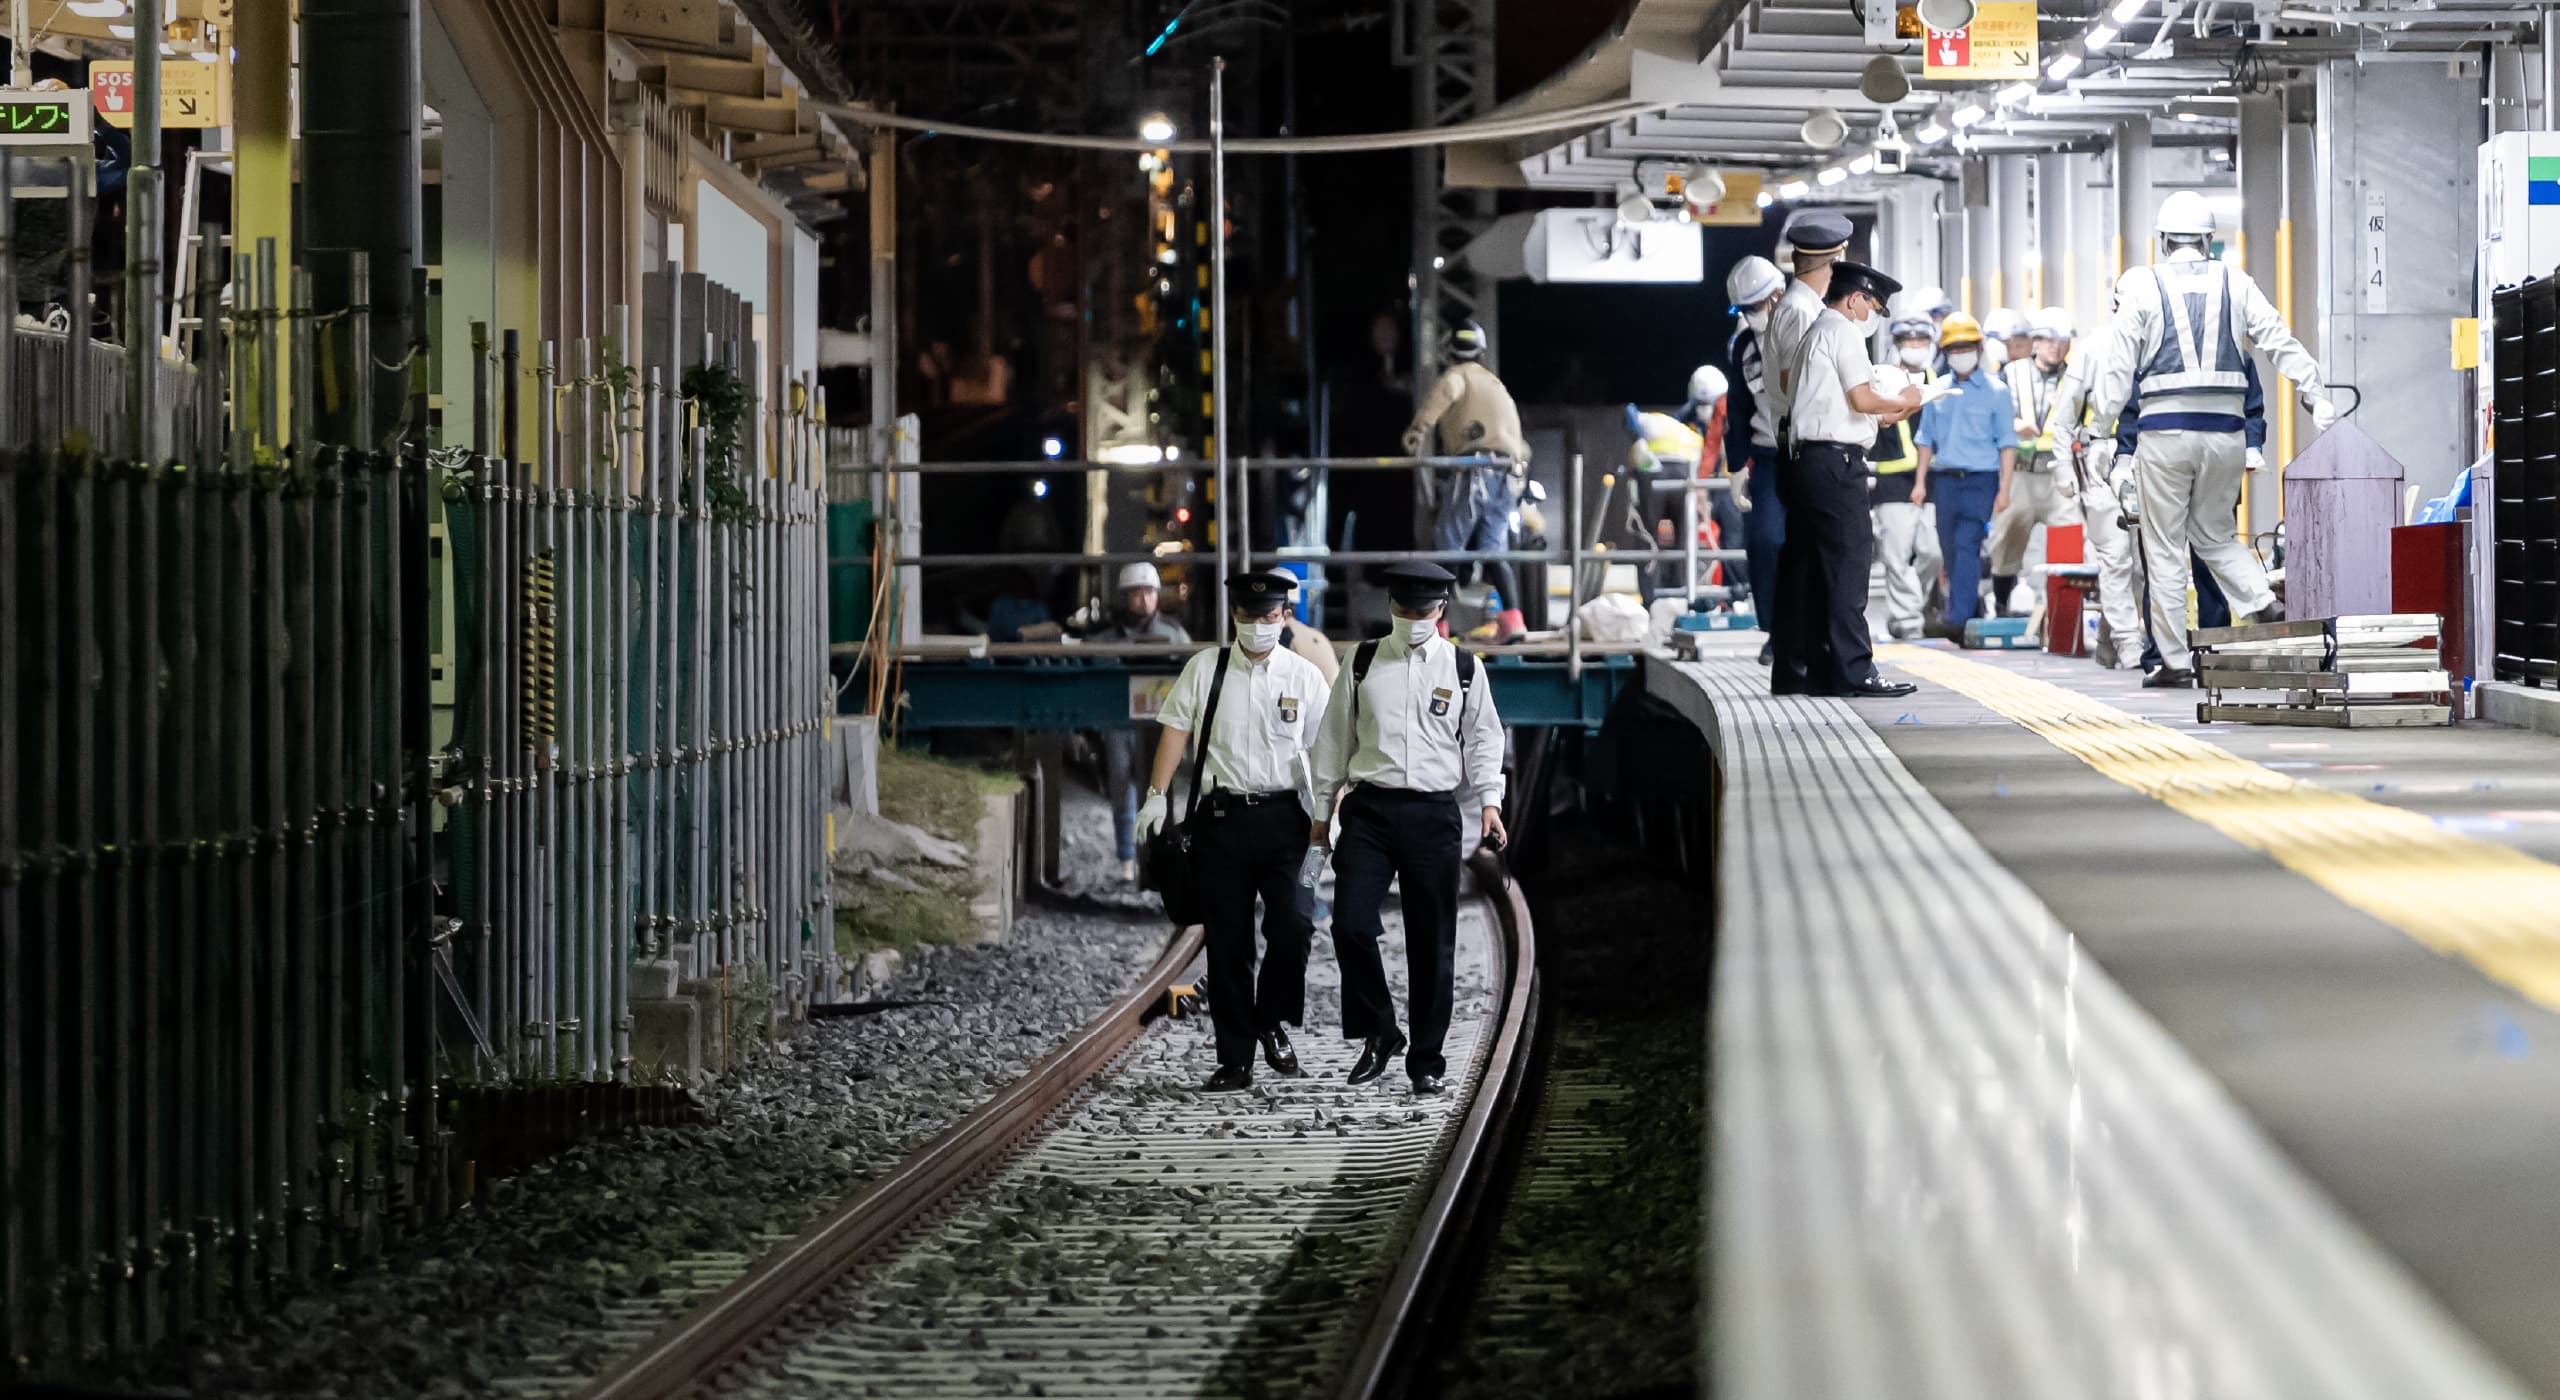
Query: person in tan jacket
[[1474, 417]]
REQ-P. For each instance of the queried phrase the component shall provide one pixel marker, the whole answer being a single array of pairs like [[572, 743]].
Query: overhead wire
[[1592, 114]]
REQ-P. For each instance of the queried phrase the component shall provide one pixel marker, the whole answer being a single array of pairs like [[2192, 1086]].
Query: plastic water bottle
[[1312, 868]]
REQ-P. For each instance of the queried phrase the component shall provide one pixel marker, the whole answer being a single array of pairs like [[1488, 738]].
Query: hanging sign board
[[190, 93], [40, 119], [1999, 46]]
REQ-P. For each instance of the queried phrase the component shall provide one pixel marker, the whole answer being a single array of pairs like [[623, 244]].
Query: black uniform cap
[[1847, 277], [1420, 581], [1260, 589]]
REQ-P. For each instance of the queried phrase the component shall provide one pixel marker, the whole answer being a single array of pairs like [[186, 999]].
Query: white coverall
[[2111, 546], [2181, 330], [2041, 491]]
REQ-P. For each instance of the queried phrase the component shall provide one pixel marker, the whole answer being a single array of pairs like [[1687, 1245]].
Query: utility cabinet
[[2524, 493], [2341, 499]]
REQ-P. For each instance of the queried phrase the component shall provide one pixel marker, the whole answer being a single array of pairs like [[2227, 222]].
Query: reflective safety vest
[[1894, 455], [2034, 391], [2200, 347]]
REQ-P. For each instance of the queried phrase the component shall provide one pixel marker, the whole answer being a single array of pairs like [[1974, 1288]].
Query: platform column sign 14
[[2376, 262], [35, 120]]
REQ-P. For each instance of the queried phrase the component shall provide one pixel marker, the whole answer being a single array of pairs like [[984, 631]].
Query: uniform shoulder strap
[[1361, 656], [1208, 727]]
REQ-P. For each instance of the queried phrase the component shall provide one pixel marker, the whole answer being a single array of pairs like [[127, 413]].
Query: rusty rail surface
[[697, 1346]]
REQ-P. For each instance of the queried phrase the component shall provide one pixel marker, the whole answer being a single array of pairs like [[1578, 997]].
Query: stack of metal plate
[[2365, 671]]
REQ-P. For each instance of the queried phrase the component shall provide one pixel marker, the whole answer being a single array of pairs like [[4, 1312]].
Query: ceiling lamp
[[1884, 83], [1823, 129], [1793, 189], [1945, 15], [1635, 209]]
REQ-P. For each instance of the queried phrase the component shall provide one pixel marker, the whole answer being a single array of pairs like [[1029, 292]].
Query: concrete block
[[666, 1040], [655, 980], [998, 850], [2517, 706], [856, 771], [705, 994]]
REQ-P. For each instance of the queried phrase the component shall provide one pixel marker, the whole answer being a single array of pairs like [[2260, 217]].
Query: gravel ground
[[1591, 1286], [527, 1291], [1159, 1241]]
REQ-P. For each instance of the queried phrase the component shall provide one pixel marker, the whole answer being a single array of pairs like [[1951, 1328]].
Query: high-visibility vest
[[1907, 458], [2034, 390], [2199, 349]]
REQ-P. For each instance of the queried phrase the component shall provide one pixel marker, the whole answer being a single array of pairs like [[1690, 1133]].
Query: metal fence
[[282, 879]]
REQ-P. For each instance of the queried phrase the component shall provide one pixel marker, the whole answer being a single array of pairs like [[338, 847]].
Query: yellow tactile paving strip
[[2496, 908]]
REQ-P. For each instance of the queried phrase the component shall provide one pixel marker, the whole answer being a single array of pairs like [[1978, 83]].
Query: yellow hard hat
[[1959, 329]]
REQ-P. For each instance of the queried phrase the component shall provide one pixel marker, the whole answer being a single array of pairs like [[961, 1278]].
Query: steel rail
[[693, 1349], [1399, 1330]]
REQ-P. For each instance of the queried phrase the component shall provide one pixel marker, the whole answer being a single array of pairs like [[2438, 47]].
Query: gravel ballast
[[542, 1282]]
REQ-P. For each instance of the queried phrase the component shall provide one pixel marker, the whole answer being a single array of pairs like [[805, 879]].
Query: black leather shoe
[[1229, 1078], [2170, 678], [1375, 1057], [1278, 1053], [1426, 1085], [1765, 653], [1877, 688], [1943, 630]]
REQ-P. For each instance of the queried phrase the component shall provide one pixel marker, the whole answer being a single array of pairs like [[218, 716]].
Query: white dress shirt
[[1790, 325], [1419, 730], [1267, 717], [1835, 357]]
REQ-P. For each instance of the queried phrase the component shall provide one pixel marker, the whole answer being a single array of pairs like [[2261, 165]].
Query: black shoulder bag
[[1170, 865]]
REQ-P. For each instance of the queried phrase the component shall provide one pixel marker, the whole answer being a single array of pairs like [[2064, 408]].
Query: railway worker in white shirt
[[1412, 737], [1256, 705]]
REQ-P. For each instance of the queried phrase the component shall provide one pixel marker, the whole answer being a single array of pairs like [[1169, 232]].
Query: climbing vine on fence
[[720, 396]]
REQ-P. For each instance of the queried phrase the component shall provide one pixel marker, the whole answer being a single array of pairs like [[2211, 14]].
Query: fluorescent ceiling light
[[1930, 134], [2016, 93], [1832, 175], [1968, 114], [2099, 37], [1793, 189], [2189, 117], [1133, 455], [1767, 199], [2125, 10], [2063, 65], [1157, 127], [1862, 165]]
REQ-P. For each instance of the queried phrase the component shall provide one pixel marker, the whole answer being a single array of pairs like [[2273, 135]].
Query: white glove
[[1414, 442], [2128, 492], [2324, 414], [2066, 481], [1151, 815], [2257, 459]]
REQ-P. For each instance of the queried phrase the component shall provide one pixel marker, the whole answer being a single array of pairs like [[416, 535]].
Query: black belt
[[1223, 799], [1397, 794]]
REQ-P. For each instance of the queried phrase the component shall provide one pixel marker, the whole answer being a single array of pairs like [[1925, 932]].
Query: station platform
[[2065, 1046]]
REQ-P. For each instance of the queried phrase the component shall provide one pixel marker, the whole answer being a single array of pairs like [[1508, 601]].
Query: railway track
[[1101, 1228]]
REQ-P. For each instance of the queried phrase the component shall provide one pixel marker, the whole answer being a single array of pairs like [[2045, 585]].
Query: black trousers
[[1389, 833], [1247, 852], [1820, 644]]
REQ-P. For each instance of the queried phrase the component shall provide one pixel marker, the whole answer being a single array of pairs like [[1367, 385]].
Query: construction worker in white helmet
[[2004, 337], [2038, 494], [1473, 415], [1753, 287], [1720, 514], [2107, 524], [1134, 619], [2182, 334]]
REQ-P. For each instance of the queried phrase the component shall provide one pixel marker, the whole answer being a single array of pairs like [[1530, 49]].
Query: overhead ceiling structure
[[1733, 82]]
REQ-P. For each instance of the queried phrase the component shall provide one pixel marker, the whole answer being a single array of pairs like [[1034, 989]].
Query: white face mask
[[1964, 361], [1913, 356], [1420, 629], [1758, 321], [1259, 636]]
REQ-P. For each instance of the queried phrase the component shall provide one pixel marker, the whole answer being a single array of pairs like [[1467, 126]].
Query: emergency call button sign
[[190, 93]]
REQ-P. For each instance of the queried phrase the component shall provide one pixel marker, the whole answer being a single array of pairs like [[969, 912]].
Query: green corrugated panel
[[848, 571]]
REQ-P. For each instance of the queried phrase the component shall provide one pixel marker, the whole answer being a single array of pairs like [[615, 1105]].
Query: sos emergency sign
[[190, 93]]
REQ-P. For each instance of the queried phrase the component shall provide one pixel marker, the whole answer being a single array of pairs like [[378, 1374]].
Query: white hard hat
[[1752, 281], [2184, 214], [1922, 301], [1139, 575], [1706, 384], [2052, 323], [2003, 323]]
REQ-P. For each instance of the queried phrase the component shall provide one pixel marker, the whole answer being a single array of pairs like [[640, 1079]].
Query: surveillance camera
[[1892, 160]]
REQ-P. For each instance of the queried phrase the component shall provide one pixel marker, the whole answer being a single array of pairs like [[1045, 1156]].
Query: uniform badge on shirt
[[1288, 709], [1439, 701]]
